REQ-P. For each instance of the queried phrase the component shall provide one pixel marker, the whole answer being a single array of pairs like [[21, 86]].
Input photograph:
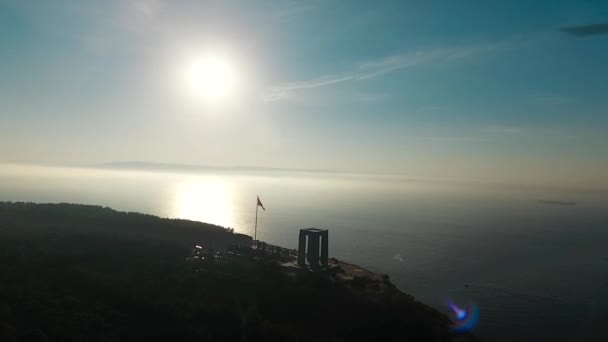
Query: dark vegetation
[[83, 273]]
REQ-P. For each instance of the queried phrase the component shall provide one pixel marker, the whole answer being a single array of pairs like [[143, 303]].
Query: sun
[[211, 77]]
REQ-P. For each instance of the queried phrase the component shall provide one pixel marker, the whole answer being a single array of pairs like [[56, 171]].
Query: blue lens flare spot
[[466, 318]]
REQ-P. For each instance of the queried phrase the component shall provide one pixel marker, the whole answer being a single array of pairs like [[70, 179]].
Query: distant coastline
[[138, 165], [384, 176]]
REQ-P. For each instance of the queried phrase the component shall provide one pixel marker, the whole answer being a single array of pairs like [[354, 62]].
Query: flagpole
[[255, 232]]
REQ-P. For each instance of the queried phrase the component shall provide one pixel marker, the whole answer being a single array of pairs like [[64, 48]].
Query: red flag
[[260, 204]]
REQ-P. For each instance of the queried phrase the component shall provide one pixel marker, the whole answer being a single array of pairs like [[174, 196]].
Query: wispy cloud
[[285, 89], [379, 67], [586, 30]]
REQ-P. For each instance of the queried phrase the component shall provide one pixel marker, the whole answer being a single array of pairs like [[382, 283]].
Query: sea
[[532, 261]]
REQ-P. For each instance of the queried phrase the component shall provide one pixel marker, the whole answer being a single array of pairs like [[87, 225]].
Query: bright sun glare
[[212, 77], [205, 199]]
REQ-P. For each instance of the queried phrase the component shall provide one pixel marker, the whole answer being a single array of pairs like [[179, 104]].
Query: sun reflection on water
[[208, 200]]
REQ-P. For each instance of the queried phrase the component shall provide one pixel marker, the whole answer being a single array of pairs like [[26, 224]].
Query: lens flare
[[465, 318]]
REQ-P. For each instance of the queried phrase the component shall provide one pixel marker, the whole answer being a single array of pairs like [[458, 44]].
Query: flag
[[260, 204]]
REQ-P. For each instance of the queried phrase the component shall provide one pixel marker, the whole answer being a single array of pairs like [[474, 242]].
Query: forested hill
[[82, 273], [97, 220]]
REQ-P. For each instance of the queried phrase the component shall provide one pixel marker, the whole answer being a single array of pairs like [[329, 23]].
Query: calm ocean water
[[536, 270]]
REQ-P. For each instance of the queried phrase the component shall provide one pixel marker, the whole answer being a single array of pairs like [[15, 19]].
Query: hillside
[[85, 273]]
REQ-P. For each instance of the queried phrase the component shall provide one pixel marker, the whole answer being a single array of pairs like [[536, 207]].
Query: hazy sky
[[468, 89]]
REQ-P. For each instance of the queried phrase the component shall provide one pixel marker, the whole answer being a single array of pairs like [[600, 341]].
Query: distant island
[[166, 167], [88, 273]]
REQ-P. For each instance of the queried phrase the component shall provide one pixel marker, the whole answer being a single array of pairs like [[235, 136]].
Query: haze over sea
[[534, 259]]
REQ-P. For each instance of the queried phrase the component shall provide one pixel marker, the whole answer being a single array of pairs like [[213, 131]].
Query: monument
[[316, 238]]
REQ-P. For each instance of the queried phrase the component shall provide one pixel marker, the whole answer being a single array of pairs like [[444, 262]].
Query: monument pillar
[[318, 239], [313, 250], [302, 249], [324, 249]]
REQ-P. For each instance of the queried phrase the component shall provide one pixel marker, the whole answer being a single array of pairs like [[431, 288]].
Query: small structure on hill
[[316, 238], [200, 253]]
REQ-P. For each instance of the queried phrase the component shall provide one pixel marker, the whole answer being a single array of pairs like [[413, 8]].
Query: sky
[[508, 91]]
